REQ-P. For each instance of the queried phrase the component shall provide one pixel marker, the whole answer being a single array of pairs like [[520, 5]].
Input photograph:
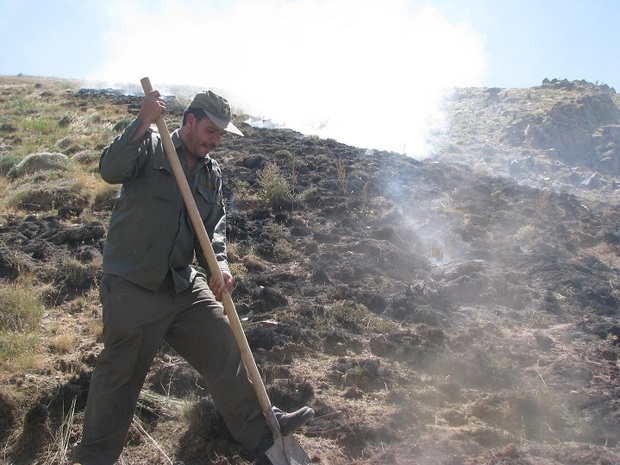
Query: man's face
[[201, 136]]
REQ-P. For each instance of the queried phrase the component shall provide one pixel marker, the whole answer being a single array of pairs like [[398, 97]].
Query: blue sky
[[329, 66]]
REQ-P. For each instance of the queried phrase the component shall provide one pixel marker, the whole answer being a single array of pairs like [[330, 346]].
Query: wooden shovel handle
[[207, 248]]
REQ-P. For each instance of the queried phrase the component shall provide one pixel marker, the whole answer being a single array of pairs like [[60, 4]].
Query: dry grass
[[20, 308], [21, 311], [244, 197], [606, 253]]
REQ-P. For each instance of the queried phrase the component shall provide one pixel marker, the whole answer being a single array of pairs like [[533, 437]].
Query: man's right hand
[[152, 108]]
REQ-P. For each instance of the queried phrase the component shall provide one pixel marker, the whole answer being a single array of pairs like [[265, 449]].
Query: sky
[[368, 73]]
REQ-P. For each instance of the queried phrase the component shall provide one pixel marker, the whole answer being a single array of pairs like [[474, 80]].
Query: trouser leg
[[201, 334], [135, 322]]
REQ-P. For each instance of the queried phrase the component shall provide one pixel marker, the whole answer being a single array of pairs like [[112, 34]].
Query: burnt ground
[[429, 312]]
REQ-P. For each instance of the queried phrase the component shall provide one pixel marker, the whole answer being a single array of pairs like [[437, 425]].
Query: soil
[[431, 313]]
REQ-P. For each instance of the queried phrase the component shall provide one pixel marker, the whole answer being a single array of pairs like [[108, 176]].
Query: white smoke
[[370, 74]]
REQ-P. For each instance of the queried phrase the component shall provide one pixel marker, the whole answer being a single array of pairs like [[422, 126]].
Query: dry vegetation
[[455, 311]]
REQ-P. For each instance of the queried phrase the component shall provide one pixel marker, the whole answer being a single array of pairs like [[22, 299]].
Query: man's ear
[[190, 121]]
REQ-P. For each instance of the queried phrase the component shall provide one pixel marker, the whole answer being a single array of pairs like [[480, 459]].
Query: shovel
[[285, 450]]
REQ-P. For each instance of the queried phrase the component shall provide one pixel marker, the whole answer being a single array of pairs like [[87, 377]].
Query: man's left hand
[[216, 286]]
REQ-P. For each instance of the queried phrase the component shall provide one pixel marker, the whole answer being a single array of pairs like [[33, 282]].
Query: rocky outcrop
[[578, 131]]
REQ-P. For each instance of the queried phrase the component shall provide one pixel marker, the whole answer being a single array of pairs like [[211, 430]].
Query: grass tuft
[[20, 309]]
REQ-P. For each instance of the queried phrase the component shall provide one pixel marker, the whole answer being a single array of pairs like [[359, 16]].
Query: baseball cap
[[216, 108]]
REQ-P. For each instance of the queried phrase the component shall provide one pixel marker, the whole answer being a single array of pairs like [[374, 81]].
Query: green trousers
[[135, 322]]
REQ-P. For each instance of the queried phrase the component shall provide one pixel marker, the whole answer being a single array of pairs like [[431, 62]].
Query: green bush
[[275, 190]]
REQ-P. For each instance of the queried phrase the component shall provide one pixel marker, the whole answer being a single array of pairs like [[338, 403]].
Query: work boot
[[290, 422]]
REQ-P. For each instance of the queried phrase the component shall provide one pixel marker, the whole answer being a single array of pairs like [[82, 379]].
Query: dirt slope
[[432, 312]]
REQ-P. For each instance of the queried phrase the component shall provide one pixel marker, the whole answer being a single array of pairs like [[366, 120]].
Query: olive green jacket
[[150, 232]]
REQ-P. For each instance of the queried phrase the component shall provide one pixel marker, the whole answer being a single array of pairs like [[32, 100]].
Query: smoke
[[366, 73]]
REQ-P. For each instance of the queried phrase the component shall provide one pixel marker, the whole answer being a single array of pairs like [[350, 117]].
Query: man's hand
[[216, 287], [152, 108]]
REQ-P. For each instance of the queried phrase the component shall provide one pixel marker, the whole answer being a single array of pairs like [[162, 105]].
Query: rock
[[543, 341]]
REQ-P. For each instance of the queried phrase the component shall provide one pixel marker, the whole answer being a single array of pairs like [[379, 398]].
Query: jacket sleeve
[[121, 160]]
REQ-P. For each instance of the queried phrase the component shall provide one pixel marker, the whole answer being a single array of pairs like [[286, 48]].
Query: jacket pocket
[[207, 194]]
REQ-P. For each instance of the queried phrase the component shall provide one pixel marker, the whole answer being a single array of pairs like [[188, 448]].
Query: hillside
[[459, 310]]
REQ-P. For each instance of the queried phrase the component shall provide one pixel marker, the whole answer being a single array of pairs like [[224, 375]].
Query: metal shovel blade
[[286, 451]]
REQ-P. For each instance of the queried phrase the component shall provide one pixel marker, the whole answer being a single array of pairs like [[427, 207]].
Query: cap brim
[[222, 123]]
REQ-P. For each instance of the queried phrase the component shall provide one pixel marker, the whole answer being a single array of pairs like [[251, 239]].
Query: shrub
[[275, 190]]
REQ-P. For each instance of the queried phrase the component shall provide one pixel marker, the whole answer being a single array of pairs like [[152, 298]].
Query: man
[[149, 290]]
